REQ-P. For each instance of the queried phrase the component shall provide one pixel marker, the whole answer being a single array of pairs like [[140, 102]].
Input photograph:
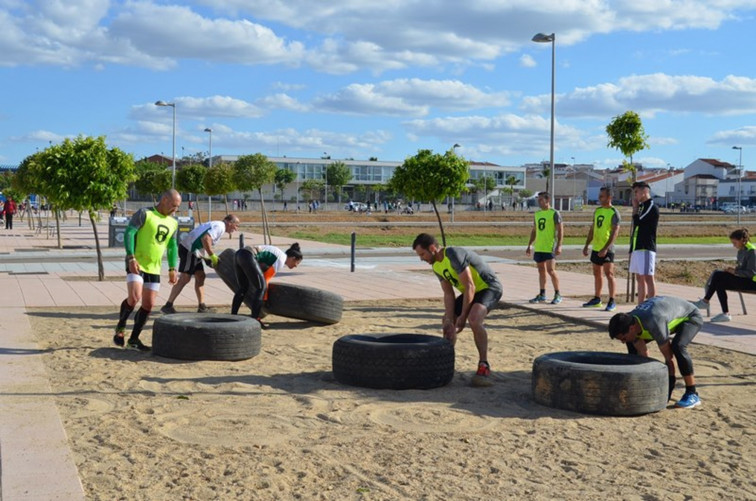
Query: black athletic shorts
[[595, 259], [541, 257], [487, 297], [189, 263]]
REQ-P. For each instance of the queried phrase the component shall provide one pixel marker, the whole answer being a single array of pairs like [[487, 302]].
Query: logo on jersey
[[600, 221], [450, 278], [162, 233], [541, 223]]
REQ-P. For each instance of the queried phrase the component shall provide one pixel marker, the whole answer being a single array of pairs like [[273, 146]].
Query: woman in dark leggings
[[741, 277], [255, 268]]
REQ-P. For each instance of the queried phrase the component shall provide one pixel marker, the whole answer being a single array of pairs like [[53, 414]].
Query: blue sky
[[359, 78]]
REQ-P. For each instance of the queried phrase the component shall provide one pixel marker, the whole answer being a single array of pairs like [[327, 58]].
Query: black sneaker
[[203, 308], [136, 345], [118, 338], [168, 310]]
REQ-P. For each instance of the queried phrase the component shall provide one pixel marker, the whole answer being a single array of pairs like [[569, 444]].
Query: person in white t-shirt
[[193, 248]]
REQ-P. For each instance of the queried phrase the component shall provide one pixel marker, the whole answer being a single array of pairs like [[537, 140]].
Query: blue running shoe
[[688, 401], [557, 299], [540, 298], [594, 303], [610, 306]]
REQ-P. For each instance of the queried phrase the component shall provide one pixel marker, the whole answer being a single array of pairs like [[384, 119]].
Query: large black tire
[[203, 336], [287, 300], [612, 384], [304, 303], [395, 361]]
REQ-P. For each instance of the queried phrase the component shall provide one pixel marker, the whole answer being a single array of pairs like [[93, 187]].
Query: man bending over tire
[[254, 269], [193, 247], [657, 319], [147, 237], [480, 290]]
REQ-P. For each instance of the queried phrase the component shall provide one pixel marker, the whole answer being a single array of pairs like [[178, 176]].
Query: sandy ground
[[278, 426]]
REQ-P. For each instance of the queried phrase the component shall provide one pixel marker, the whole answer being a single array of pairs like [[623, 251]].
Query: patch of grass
[[398, 239]]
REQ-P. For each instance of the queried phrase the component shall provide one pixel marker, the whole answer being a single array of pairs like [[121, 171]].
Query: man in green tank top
[[480, 290], [547, 233], [601, 237], [149, 234]]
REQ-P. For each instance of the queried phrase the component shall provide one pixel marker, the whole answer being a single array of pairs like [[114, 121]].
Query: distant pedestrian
[[643, 241], [9, 211], [601, 238], [547, 234]]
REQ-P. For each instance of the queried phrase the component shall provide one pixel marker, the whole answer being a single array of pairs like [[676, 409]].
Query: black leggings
[[722, 281], [684, 334], [248, 275]]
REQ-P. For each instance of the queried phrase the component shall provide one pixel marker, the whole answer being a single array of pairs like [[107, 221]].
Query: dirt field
[[279, 427]]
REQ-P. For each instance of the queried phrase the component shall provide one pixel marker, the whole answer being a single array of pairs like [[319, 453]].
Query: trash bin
[[185, 225], [116, 229]]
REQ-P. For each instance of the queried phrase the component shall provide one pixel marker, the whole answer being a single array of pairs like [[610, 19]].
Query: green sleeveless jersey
[[604, 218], [546, 222], [154, 234], [456, 259]]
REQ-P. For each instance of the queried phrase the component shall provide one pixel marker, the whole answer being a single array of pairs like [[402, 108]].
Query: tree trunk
[[197, 209], [266, 228], [100, 267], [57, 228], [225, 199], [440, 224]]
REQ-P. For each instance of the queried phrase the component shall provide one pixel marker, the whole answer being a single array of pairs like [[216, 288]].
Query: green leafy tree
[[511, 182], [219, 180], [84, 175], [152, 178], [432, 176], [252, 172], [312, 187], [283, 178], [338, 174], [191, 179], [25, 181], [626, 134]]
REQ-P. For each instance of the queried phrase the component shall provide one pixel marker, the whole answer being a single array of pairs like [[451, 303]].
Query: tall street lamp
[[740, 169], [210, 166], [173, 171], [541, 38]]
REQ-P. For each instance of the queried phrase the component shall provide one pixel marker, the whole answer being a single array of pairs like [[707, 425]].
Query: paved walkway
[[35, 460]]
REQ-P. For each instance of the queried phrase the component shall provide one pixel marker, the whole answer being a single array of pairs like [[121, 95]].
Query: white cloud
[[335, 38], [654, 93], [505, 134], [527, 61], [745, 135], [409, 97]]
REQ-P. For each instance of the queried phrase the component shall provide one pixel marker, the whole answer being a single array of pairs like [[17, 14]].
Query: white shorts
[[643, 262], [151, 285]]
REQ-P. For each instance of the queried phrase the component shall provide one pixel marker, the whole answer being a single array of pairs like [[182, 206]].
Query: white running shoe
[[722, 317]]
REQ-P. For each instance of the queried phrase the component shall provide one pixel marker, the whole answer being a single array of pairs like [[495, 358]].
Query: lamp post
[[542, 38], [740, 168], [299, 184], [574, 183], [325, 177], [173, 169], [210, 166]]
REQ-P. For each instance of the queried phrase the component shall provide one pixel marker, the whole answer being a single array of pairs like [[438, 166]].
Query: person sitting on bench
[[740, 278]]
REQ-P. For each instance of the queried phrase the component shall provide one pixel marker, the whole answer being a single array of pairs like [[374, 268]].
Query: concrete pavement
[[35, 460]]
